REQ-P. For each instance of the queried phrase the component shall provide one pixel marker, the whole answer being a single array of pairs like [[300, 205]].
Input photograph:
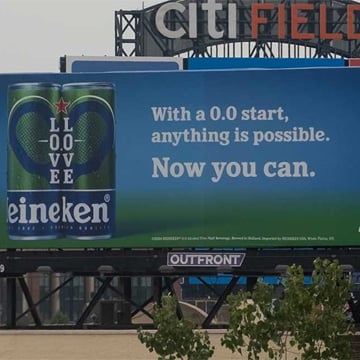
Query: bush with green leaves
[[175, 338], [307, 321], [59, 318]]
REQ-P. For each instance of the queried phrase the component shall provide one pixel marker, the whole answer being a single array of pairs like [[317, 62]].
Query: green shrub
[[308, 321], [59, 318], [175, 338]]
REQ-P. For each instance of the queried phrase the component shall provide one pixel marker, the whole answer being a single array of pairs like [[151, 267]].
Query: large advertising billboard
[[240, 158]]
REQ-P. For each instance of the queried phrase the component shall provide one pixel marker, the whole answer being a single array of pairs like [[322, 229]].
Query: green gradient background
[[302, 220], [253, 215]]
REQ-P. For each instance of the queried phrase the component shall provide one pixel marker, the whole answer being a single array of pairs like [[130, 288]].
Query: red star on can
[[62, 106]]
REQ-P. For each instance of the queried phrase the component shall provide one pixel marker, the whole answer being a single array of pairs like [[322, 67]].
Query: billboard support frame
[[128, 263]]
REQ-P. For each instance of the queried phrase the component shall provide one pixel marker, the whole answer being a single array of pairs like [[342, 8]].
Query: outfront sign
[[203, 259], [247, 158]]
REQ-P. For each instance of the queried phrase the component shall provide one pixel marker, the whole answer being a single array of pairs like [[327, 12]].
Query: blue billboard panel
[[199, 159], [261, 63], [89, 64]]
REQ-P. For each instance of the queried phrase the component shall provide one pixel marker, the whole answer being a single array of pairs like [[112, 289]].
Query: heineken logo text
[[57, 212]]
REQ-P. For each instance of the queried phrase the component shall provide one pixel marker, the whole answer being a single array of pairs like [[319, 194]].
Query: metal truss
[[135, 35], [106, 265]]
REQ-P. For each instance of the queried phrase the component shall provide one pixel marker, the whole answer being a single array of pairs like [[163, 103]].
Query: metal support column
[[220, 301], [11, 302], [29, 300]]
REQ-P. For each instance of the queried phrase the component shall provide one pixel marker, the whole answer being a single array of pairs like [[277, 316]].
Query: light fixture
[[347, 268], [44, 269], [166, 269], [281, 269], [105, 269], [224, 269]]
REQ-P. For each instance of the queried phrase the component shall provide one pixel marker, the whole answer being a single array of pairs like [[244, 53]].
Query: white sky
[[34, 34]]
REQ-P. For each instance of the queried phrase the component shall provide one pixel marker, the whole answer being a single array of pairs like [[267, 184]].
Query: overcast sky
[[34, 34]]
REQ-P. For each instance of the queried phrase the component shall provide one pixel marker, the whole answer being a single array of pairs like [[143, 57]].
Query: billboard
[[118, 63], [240, 158], [354, 62], [260, 63]]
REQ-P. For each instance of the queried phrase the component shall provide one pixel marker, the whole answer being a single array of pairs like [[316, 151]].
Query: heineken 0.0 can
[[33, 177], [88, 143]]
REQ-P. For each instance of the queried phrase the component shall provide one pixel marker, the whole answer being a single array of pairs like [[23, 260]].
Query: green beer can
[[88, 134], [33, 179]]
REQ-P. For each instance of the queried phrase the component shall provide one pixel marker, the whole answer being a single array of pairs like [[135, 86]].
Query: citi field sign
[[296, 21]]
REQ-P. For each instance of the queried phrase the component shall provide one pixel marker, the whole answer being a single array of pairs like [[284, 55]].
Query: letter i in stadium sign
[[61, 161]]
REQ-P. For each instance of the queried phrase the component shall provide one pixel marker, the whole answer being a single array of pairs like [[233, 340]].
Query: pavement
[[88, 345]]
